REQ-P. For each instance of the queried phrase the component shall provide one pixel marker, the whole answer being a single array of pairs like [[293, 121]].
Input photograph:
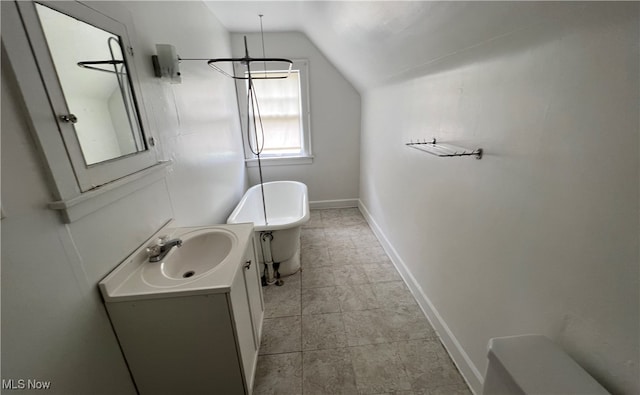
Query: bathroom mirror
[[95, 81], [75, 65]]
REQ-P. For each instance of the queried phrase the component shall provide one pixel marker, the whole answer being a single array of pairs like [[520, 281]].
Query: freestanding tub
[[287, 206]]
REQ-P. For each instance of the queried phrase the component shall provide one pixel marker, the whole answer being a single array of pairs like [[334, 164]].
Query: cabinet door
[[180, 345], [254, 292], [103, 96], [244, 328]]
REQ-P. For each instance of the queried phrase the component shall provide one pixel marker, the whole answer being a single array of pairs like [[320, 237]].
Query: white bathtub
[[287, 204]]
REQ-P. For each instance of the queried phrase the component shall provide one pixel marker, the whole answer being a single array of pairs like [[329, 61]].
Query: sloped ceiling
[[374, 42]]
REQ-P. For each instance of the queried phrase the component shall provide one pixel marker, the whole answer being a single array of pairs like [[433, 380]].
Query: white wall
[[197, 120], [54, 326], [541, 235], [335, 120]]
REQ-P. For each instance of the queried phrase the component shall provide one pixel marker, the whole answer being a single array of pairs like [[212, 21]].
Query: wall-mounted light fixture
[[166, 64]]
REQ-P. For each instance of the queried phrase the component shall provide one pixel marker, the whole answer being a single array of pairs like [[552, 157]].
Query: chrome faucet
[[160, 250]]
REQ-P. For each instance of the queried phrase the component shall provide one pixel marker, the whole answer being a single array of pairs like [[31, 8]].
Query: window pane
[[282, 134], [279, 102]]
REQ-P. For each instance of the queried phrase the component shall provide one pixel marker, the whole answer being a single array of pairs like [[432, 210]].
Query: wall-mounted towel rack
[[443, 150]]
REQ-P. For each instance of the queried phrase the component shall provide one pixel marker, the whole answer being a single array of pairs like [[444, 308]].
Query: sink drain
[[188, 274]]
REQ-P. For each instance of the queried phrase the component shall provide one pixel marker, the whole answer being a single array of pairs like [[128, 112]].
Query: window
[[284, 110]]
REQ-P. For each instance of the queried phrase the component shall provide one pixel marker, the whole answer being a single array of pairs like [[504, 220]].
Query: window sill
[[280, 161], [88, 202]]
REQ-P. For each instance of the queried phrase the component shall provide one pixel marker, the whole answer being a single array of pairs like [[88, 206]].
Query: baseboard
[[340, 203], [468, 369]]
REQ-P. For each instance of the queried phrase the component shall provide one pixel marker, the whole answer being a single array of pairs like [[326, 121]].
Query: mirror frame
[[55, 136]]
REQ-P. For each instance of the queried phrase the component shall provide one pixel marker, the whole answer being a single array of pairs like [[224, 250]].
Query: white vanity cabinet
[[247, 308], [204, 342]]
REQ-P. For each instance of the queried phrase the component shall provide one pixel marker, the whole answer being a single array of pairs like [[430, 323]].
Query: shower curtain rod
[[89, 65], [247, 60]]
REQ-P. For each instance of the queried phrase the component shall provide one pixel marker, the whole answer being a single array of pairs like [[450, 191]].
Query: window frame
[[306, 156]]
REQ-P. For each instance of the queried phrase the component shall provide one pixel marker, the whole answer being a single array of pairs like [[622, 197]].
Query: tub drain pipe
[[270, 275]]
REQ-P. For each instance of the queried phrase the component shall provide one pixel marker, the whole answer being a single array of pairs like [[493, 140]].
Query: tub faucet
[[160, 250]]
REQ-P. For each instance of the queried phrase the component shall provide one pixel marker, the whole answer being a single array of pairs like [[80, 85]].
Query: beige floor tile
[[342, 222], [340, 256], [447, 390], [315, 257], [350, 212], [313, 223], [366, 327], [353, 221], [313, 244], [323, 331], [315, 220], [409, 323], [344, 256], [312, 237], [378, 369], [328, 372], [367, 244], [320, 300], [358, 256], [279, 374], [340, 232], [330, 213], [333, 243], [428, 365], [393, 293], [357, 297], [281, 335], [317, 277], [379, 272], [386, 325], [392, 349], [293, 279], [364, 232], [349, 275], [283, 301], [333, 228], [311, 233]]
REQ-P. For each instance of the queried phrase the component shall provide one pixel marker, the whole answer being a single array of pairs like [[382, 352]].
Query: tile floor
[[347, 323]]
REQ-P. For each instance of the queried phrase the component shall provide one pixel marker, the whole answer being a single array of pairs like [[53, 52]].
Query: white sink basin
[[201, 252], [205, 263]]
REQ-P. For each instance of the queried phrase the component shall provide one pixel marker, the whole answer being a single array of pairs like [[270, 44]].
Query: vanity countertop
[[128, 281]]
